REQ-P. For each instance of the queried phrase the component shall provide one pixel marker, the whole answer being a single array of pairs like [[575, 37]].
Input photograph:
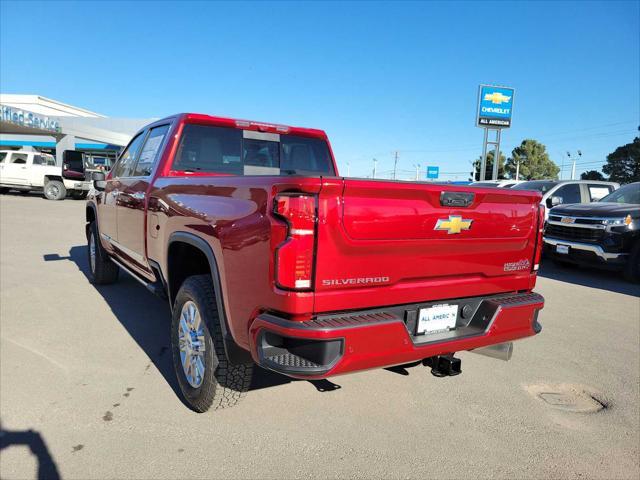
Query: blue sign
[[433, 172], [495, 106]]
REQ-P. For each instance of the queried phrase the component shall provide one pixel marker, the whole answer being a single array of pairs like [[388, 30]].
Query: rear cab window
[[231, 151], [597, 192]]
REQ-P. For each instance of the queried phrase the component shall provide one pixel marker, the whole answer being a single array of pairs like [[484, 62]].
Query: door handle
[[23, 168]]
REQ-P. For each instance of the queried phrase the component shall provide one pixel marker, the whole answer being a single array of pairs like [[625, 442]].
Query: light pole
[[348, 169], [417, 171], [518, 170], [573, 163], [375, 163], [572, 168]]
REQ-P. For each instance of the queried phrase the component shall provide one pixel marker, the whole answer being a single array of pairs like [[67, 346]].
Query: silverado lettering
[[267, 256], [355, 281]]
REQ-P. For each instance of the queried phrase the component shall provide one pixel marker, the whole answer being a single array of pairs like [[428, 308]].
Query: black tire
[[632, 267], [223, 384], [102, 271], [79, 194], [55, 190], [3, 190]]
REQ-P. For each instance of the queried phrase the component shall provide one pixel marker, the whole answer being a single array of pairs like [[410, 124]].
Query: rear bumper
[[77, 184], [341, 343]]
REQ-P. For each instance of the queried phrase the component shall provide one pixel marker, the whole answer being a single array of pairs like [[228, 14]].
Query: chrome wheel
[[92, 252], [191, 343], [53, 190]]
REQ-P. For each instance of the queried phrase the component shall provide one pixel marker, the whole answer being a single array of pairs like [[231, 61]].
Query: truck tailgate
[[387, 243]]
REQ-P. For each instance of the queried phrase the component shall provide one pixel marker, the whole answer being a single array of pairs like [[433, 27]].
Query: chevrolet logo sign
[[454, 224], [497, 98], [568, 220]]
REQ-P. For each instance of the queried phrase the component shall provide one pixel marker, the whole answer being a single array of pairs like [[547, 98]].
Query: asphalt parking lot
[[87, 387]]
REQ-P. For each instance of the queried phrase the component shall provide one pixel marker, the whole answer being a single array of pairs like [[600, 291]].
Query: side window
[[569, 193], [149, 152], [38, 160], [596, 192], [125, 164], [209, 149], [19, 158], [3, 155]]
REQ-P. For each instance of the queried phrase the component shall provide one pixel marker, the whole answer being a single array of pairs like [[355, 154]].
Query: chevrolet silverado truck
[[268, 257], [34, 171]]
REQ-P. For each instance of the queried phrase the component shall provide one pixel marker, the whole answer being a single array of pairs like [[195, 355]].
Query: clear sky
[[377, 77]]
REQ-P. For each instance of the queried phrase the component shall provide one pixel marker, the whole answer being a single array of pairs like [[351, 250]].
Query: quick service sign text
[[495, 106]]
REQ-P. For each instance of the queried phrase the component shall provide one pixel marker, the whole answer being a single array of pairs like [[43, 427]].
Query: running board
[[153, 287]]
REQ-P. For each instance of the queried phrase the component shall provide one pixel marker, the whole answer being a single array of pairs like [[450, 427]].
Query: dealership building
[[33, 122]]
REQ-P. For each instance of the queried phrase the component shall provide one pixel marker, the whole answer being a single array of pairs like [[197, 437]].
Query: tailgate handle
[[456, 199]]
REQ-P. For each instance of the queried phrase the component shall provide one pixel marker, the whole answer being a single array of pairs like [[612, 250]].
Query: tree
[[489, 170], [592, 175], [534, 160], [623, 165]]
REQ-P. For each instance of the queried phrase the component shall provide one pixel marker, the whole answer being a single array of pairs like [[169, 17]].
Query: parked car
[[29, 171], [497, 183], [268, 257], [604, 233], [561, 192]]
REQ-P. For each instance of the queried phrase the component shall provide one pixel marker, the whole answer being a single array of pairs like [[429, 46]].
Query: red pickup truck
[[267, 256]]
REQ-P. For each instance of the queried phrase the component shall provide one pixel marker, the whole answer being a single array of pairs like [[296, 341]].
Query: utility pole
[[395, 165], [417, 171], [375, 163], [348, 169], [517, 170], [573, 171]]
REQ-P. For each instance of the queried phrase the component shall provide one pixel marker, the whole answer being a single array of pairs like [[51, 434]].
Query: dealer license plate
[[564, 249], [439, 318]]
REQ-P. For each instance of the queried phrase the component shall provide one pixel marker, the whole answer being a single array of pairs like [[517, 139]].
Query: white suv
[[26, 171]]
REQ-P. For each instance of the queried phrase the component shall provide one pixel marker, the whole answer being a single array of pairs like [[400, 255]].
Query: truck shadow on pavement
[[589, 277], [46, 466], [147, 319]]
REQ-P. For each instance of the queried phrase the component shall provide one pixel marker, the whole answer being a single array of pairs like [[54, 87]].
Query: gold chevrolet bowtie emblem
[[497, 98], [455, 224]]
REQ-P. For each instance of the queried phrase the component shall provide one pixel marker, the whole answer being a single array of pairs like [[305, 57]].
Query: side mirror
[[556, 201], [99, 180]]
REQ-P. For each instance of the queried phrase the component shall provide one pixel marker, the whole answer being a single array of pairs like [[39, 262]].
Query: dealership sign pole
[[495, 107]]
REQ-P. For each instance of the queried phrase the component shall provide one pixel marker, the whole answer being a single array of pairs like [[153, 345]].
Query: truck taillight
[[294, 257], [539, 243]]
